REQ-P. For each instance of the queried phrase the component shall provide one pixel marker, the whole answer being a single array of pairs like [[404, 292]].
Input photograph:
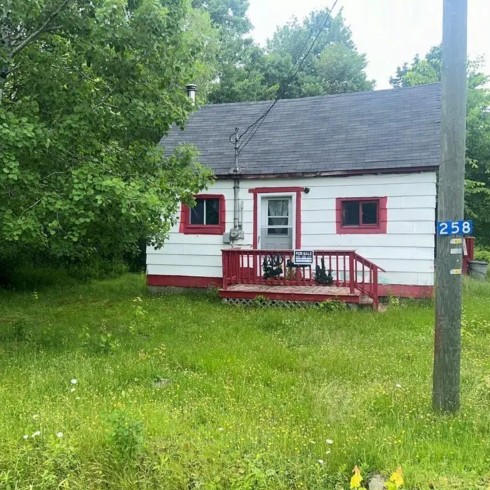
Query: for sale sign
[[303, 257]]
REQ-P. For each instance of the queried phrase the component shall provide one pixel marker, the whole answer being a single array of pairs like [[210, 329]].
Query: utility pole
[[447, 344]]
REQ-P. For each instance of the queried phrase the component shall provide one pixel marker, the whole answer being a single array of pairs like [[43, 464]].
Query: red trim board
[[183, 281], [272, 190], [405, 291]]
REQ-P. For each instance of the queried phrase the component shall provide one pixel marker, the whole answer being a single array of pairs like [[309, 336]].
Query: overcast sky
[[390, 32]]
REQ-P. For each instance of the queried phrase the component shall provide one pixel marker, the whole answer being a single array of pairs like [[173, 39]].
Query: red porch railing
[[341, 268]]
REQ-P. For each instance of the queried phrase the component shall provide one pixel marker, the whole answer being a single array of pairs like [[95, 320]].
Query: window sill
[[203, 230], [362, 230]]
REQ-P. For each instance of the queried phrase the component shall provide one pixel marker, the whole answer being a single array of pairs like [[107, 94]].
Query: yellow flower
[[355, 481], [397, 478]]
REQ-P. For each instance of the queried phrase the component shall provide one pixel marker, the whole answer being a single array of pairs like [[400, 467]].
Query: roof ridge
[[326, 96]]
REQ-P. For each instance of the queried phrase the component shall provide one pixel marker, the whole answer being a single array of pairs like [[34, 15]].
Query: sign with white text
[[303, 257], [449, 228]]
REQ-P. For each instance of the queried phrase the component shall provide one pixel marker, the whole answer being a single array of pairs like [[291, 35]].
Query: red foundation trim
[[379, 228], [183, 281], [405, 291]]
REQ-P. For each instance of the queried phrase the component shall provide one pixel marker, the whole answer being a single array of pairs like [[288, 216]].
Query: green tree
[[333, 65], [230, 16], [239, 60], [248, 72], [87, 91], [420, 71], [477, 195]]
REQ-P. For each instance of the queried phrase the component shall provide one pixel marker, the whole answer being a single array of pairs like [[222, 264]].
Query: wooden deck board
[[266, 288], [291, 293]]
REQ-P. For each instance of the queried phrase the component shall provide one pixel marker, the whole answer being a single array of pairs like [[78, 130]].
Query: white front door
[[276, 230]]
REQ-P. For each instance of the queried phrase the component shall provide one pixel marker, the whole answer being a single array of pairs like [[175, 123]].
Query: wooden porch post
[[352, 279]]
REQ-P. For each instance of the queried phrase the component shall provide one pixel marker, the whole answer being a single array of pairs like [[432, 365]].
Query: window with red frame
[[206, 217], [361, 215]]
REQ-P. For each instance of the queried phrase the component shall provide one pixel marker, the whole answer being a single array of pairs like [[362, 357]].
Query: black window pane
[[369, 213], [212, 211], [197, 213], [350, 213], [278, 221], [277, 231]]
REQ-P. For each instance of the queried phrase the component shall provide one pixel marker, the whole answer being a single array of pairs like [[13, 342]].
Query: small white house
[[348, 180]]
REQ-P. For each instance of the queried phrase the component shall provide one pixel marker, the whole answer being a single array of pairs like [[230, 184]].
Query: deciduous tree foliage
[[87, 91], [477, 195], [239, 74], [248, 72], [333, 66]]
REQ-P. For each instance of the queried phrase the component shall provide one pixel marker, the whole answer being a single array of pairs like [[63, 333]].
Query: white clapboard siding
[[356, 242], [406, 251]]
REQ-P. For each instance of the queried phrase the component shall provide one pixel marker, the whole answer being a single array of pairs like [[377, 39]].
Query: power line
[[255, 126]]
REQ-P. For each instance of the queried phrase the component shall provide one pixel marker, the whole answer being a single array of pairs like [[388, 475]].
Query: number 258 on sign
[[455, 227]]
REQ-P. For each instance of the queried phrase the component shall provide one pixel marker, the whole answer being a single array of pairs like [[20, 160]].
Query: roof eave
[[334, 173]]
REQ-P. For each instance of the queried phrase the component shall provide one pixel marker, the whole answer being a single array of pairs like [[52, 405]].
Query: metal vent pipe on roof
[[191, 92]]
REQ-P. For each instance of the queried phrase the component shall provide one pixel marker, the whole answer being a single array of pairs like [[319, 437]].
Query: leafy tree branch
[[35, 34]]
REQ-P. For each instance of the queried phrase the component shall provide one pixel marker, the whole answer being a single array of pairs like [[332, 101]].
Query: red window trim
[[379, 228], [187, 229], [277, 190]]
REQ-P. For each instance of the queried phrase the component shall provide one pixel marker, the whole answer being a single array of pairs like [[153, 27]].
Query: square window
[[206, 217], [361, 215]]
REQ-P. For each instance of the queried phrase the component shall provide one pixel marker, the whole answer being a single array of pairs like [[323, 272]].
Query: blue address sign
[[448, 228]]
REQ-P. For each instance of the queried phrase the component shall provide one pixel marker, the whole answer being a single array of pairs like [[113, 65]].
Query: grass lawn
[[103, 386]]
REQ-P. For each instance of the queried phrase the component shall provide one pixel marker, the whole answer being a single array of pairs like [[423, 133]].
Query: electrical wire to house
[[237, 138]]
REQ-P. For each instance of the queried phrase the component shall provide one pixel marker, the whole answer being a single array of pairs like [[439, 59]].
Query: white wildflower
[[398, 385], [321, 462], [35, 416], [73, 390], [329, 441], [59, 435], [37, 433], [74, 381], [25, 436]]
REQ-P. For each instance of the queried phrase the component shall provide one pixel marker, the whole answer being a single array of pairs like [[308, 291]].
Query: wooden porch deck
[[331, 275], [294, 293]]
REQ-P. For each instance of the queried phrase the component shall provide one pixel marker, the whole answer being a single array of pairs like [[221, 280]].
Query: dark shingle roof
[[366, 131]]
